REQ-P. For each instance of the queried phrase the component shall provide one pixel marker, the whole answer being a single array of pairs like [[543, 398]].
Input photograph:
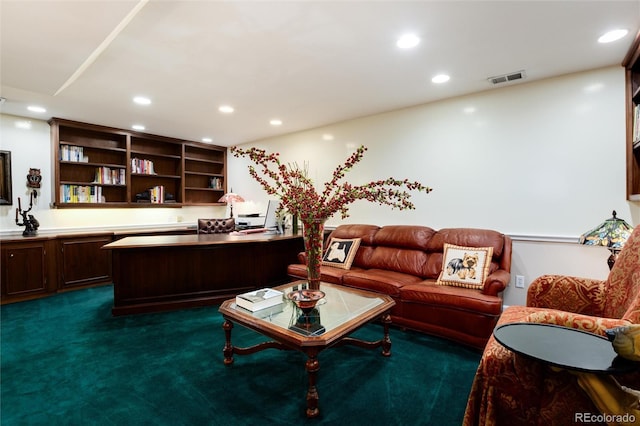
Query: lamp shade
[[613, 233], [231, 197]]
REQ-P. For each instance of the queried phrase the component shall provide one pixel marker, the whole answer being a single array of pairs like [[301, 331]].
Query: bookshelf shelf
[[87, 153], [632, 77]]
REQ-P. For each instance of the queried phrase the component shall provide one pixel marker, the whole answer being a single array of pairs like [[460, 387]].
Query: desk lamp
[[613, 233], [230, 198]]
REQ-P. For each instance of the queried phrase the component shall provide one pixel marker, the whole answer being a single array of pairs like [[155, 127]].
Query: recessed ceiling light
[[141, 100], [440, 78], [275, 122], [614, 35], [35, 108], [138, 127], [408, 41], [207, 140], [327, 137], [226, 109]]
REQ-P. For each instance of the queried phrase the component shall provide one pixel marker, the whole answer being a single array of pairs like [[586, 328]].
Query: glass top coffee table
[[342, 311]]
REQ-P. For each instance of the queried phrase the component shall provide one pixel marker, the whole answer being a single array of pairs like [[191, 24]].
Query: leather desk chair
[[216, 226]]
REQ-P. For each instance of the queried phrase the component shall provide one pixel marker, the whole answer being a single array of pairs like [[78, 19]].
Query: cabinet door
[[23, 270], [82, 262]]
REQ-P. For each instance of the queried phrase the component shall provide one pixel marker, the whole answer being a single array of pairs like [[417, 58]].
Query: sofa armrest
[[302, 258], [496, 282], [566, 293], [592, 324]]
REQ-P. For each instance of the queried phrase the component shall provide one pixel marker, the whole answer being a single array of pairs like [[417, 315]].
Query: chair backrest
[[216, 226], [622, 288]]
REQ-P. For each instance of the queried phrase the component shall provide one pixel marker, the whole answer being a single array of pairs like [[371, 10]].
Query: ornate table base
[[312, 365]]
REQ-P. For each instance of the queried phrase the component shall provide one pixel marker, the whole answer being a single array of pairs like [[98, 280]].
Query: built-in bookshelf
[[632, 67], [203, 175], [99, 166]]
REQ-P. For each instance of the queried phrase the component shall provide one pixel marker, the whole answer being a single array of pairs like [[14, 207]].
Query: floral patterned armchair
[[512, 390]]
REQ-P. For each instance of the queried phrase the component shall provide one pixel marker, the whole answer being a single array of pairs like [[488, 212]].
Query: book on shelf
[[108, 176], [142, 166], [156, 194], [259, 299], [73, 154], [636, 126], [81, 194]]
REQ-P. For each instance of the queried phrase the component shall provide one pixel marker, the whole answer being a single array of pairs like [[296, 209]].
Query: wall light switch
[[519, 281]]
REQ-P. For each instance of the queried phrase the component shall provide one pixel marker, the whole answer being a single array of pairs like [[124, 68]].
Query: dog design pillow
[[341, 252], [465, 266]]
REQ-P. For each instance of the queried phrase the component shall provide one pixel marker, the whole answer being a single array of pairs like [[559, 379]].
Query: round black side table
[[563, 347]]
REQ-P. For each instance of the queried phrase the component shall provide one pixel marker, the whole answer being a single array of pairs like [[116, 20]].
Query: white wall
[[542, 161], [30, 147]]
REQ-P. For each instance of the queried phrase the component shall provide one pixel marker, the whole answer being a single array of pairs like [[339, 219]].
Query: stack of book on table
[[261, 300]]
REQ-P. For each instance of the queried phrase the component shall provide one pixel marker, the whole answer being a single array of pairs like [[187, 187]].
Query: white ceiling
[[308, 63]]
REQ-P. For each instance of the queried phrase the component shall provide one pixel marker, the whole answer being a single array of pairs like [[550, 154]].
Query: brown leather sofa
[[404, 261]]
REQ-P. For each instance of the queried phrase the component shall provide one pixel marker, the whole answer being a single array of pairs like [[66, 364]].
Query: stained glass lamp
[[231, 198], [613, 233]]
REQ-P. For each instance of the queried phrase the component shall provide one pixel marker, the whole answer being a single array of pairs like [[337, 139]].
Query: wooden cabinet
[[632, 66], [82, 261], [26, 270], [98, 166]]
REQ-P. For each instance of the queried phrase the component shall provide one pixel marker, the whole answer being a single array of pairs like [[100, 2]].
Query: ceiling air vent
[[505, 78]]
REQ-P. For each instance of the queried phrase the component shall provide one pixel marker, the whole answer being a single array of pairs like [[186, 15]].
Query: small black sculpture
[[29, 222]]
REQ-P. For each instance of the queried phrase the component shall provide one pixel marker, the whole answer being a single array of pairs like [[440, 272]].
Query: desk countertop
[[194, 240]]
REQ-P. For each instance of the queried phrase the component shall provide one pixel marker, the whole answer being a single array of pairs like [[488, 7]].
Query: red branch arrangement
[[298, 194]]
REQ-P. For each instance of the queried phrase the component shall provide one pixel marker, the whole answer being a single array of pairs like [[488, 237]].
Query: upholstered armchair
[[509, 389]]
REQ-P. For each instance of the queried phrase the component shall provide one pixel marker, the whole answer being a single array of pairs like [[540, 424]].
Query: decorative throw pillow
[[465, 266], [341, 252]]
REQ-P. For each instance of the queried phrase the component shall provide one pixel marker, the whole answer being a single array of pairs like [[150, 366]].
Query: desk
[[166, 272]]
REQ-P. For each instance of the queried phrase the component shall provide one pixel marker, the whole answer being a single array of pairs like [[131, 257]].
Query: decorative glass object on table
[[305, 300]]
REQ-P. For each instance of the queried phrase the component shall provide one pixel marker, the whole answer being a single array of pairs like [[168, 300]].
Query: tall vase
[[313, 233]]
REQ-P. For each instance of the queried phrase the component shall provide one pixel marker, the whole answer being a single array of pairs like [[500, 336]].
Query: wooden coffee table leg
[[312, 365], [386, 341], [228, 347]]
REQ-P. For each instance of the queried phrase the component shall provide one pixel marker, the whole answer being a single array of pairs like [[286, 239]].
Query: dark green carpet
[[65, 360]]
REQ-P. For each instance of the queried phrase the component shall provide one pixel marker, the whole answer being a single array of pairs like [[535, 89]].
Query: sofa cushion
[[404, 236], [465, 266], [405, 261], [379, 280], [327, 274], [467, 237], [341, 252], [364, 232], [428, 293]]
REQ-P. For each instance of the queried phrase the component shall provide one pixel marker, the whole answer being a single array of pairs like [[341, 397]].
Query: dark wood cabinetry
[[26, 270], [632, 67], [98, 166], [43, 265], [82, 262]]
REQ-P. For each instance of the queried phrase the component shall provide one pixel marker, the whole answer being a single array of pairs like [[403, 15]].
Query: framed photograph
[[5, 179]]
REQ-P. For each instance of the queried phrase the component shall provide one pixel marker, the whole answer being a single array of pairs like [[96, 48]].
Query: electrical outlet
[[519, 281]]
